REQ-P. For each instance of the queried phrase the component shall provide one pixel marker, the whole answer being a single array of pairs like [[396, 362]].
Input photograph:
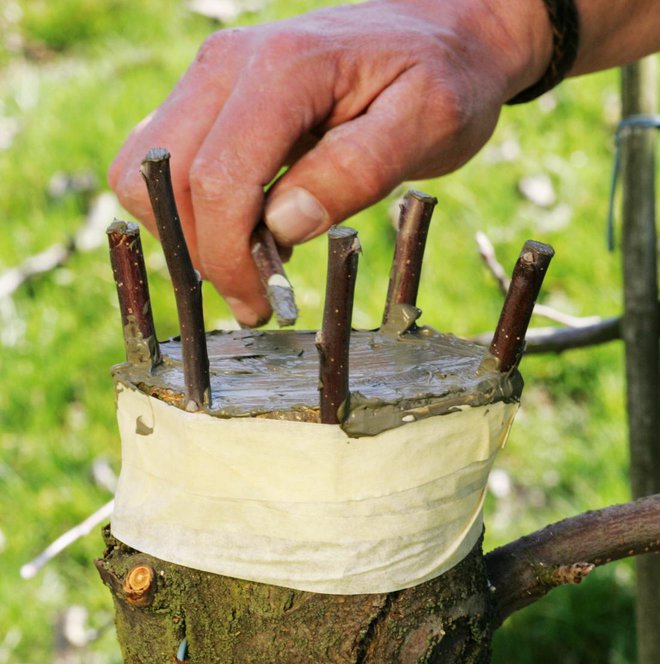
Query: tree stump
[[394, 380], [228, 620]]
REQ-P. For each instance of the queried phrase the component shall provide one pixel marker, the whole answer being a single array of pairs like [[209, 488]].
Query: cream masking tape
[[301, 504]]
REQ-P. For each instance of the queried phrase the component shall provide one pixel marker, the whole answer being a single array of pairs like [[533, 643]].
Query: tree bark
[[448, 620], [641, 323], [443, 620]]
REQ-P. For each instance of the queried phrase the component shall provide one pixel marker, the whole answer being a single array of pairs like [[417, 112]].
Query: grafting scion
[[414, 220], [186, 281], [528, 274], [273, 278], [130, 276], [333, 339]]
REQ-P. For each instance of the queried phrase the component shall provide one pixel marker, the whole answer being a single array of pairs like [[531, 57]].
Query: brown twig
[[130, 275], [487, 253], [333, 340], [414, 219], [524, 570], [528, 274], [273, 278], [557, 340], [488, 256], [185, 280], [31, 568]]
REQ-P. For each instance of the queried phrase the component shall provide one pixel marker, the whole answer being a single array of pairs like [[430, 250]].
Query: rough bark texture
[[448, 620], [565, 552], [445, 620], [640, 330]]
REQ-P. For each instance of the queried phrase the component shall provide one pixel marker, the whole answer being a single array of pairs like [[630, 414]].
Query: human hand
[[354, 99]]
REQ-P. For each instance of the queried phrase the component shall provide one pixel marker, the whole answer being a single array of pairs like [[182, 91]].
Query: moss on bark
[[443, 620]]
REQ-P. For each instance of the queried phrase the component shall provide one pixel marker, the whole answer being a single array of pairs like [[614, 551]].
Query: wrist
[[512, 39], [526, 38]]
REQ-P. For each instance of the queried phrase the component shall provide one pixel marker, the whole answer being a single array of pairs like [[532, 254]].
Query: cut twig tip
[[422, 197], [156, 155], [123, 227], [537, 252], [272, 275], [509, 339]]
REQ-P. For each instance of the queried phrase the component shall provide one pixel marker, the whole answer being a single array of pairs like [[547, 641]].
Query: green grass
[[82, 75]]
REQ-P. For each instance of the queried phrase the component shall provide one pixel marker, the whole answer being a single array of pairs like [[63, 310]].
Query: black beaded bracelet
[[565, 21]]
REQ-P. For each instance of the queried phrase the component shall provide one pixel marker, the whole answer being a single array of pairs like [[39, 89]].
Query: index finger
[[260, 123]]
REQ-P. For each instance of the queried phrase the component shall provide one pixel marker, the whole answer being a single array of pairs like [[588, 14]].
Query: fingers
[[180, 124], [258, 127], [355, 165], [257, 100]]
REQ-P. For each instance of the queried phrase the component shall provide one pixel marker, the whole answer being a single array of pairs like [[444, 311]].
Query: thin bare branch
[[414, 220], [130, 275], [488, 256], [333, 340], [273, 277], [528, 274], [87, 237], [487, 253], [30, 569], [523, 571], [185, 280], [557, 340]]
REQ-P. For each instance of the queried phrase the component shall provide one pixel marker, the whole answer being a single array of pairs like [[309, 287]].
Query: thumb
[[353, 166]]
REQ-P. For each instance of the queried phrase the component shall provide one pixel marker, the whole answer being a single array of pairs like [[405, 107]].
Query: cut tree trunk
[[448, 620], [445, 620]]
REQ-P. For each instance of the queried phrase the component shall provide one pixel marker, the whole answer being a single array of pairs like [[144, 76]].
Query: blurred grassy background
[[75, 76]]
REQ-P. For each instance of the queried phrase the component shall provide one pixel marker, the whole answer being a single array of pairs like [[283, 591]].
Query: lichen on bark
[[230, 620]]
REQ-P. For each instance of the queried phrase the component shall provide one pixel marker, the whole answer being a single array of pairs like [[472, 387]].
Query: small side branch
[[528, 274], [487, 253], [185, 280], [89, 236], [30, 569], [333, 340], [273, 278], [523, 571], [414, 220], [130, 275], [557, 340]]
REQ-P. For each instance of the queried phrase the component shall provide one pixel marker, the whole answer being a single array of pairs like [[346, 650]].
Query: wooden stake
[[333, 340], [185, 279], [130, 275], [414, 220], [271, 271], [528, 274], [641, 325]]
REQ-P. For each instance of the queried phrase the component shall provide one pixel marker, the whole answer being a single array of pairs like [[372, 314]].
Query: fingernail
[[245, 315], [294, 215]]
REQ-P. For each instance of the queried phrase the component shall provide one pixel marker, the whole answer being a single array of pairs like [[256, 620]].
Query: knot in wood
[[138, 585]]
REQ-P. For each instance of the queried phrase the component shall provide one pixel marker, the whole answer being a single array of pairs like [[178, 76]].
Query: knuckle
[[205, 180], [282, 44], [448, 101], [352, 158], [216, 44], [133, 197]]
